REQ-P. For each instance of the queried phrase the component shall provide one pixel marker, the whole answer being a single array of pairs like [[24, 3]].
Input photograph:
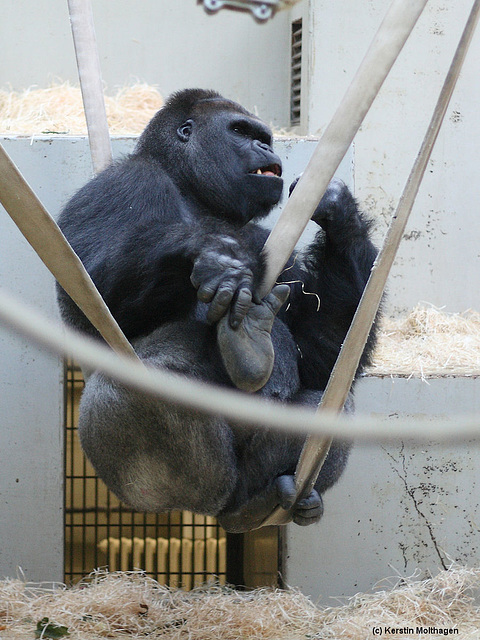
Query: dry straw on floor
[[428, 343], [59, 110], [130, 605]]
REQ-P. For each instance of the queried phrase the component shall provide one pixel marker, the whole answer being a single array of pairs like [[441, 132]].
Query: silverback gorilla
[[169, 236]]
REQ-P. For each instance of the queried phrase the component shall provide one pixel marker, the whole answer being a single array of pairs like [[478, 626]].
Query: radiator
[[182, 563]]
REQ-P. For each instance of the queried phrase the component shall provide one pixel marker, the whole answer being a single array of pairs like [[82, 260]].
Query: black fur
[[168, 234]]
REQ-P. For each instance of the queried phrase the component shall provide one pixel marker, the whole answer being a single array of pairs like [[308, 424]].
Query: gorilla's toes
[[247, 351], [306, 511], [309, 510]]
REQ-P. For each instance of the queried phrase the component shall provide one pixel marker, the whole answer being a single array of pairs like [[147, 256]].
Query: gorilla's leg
[[266, 458], [247, 352], [332, 468], [153, 455], [272, 458]]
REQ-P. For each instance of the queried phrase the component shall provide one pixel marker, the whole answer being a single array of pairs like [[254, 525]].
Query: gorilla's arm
[[335, 268], [149, 251]]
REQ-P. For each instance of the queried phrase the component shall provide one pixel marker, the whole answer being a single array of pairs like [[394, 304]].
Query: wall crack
[[410, 491]]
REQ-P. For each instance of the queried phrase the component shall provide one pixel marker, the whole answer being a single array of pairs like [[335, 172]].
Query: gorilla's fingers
[[221, 302], [223, 281], [206, 292], [219, 288], [294, 184], [240, 306], [331, 206], [308, 510], [311, 502]]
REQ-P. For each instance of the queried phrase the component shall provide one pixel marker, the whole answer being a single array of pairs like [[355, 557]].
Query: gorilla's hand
[[334, 207], [224, 278]]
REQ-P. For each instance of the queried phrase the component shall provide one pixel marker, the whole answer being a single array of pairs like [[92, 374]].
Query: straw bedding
[[130, 605], [59, 110], [428, 343]]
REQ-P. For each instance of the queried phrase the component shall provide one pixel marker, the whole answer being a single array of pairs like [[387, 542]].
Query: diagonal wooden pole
[[316, 448], [89, 73], [44, 235], [386, 46]]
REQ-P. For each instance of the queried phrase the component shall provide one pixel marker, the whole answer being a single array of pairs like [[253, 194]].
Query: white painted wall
[[439, 259], [31, 380], [398, 508], [31, 424], [171, 44]]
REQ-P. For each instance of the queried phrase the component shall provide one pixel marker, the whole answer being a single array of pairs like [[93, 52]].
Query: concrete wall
[[172, 44], [31, 380], [439, 258], [399, 508], [31, 423]]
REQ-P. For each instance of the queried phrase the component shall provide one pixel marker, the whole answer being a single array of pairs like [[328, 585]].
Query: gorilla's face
[[230, 164]]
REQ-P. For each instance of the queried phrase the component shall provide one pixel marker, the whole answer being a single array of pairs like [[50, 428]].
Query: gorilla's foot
[[247, 352], [281, 492], [306, 511]]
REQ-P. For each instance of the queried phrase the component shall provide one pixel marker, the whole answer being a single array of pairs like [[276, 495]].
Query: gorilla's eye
[[242, 129], [249, 130]]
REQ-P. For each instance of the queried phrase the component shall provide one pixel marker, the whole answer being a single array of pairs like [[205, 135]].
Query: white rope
[[209, 399]]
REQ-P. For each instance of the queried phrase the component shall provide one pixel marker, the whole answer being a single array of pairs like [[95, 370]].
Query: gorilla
[[170, 237]]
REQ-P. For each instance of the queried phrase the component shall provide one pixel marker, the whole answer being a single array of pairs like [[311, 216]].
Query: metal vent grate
[[296, 73]]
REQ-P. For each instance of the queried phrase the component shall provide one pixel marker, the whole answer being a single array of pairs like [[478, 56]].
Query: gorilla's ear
[[185, 130]]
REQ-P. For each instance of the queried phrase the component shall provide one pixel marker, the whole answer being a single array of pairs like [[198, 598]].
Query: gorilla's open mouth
[[272, 170]]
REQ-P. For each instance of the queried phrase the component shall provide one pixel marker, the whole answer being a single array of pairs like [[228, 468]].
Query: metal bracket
[[261, 9]]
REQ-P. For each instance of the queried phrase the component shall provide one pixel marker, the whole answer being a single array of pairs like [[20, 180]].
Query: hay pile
[[130, 605], [59, 109], [428, 343]]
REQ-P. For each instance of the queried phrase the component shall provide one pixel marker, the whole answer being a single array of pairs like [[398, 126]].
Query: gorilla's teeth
[[259, 171]]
